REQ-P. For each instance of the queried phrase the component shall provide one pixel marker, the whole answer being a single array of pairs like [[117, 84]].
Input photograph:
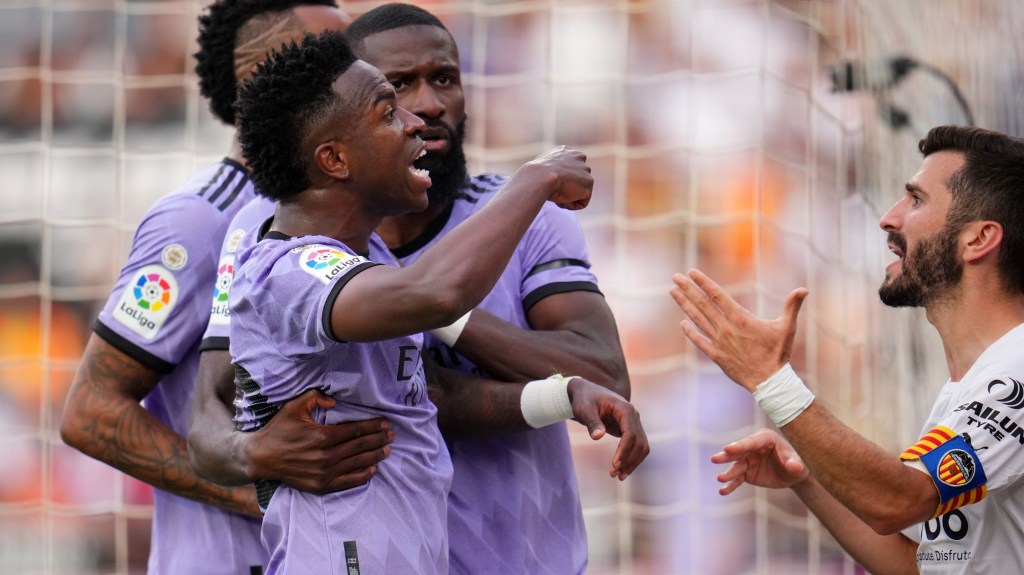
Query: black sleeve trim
[[219, 343], [556, 288], [131, 350], [329, 304], [555, 264]]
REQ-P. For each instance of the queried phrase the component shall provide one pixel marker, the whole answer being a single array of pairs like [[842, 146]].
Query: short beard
[[448, 175], [928, 272]]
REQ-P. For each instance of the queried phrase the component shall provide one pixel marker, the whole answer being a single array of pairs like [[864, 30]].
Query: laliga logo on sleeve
[[152, 292], [318, 259], [219, 311], [224, 275], [325, 263], [148, 300]]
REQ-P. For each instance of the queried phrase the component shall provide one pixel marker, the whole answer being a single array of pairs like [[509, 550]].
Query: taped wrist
[[546, 401], [449, 334], [783, 396]]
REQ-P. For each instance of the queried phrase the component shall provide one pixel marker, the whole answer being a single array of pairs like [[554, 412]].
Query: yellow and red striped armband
[[953, 465]]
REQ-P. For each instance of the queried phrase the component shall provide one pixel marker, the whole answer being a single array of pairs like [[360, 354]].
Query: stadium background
[[717, 138]]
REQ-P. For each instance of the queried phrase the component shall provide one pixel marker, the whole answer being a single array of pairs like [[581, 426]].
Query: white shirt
[[988, 406]]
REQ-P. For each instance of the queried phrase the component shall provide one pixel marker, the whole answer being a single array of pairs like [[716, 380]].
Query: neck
[[971, 320], [325, 212], [235, 153], [396, 231]]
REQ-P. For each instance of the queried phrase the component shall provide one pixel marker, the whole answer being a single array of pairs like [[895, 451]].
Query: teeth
[[423, 152], [420, 172]]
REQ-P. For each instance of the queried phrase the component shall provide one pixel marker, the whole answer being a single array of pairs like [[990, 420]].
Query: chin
[[421, 203]]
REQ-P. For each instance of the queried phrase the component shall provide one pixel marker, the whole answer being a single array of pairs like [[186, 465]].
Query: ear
[[980, 239], [331, 158]]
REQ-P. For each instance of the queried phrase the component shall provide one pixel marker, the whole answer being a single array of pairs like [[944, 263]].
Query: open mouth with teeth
[[420, 173]]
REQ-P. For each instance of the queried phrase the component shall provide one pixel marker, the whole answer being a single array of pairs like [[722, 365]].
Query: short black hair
[[288, 93], [989, 186], [218, 32], [389, 17]]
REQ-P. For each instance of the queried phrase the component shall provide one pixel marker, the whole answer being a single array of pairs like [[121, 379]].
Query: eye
[[399, 85], [915, 200], [445, 80], [389, 115]]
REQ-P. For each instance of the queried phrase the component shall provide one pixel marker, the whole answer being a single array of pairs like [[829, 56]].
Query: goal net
[[758, 140]]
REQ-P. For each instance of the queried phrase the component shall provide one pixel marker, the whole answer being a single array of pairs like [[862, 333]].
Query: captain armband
[[783, 396], [546, 401], [953, 466]]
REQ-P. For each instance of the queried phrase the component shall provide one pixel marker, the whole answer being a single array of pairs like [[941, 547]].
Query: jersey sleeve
[[284, 309], [554, 257], [160, 302], [975, 449], [241, 234]]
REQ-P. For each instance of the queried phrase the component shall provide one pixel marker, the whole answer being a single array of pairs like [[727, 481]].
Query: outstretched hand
[[747, 348], [763, 459], [605, 412], [298, 451]]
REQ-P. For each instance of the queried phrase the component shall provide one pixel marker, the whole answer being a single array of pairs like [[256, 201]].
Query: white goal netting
[[718, 141]]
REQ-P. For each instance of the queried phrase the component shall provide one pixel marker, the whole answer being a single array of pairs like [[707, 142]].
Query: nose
[[424, 101], [893, 218], [413, 124]]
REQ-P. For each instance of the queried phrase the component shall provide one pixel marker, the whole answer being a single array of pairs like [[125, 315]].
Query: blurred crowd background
[[724, 134]]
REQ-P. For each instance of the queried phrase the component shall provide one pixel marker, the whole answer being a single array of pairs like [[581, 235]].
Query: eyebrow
[[384, 92], [912, 187]]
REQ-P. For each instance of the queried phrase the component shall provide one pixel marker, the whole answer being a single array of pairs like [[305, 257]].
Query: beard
[[929, 271], [448, 174]]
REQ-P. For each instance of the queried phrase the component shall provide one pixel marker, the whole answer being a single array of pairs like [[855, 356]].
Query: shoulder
[[210, 196], [298, 260]]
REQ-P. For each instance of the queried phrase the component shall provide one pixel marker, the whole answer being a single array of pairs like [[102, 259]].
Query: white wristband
[[449, 334], [546, 401], [783, 396]]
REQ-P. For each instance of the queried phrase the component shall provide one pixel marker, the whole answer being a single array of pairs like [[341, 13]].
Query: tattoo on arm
[[103, 419]]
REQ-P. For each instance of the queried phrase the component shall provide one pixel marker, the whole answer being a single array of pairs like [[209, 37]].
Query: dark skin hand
[[292, 448], [103, 419], [471, 407]]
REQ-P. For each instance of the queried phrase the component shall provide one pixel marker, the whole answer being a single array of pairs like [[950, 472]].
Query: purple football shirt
[[250, 217], [514, 505], [156, 314], [281, 342]]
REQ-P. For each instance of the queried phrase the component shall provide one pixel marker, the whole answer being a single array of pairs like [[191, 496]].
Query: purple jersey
[[156, 314], [282, 344], [514, 504], [236, 240]]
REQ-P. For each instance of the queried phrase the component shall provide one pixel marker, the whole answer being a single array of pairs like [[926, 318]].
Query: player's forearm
[[465, 264], [511, 353], [469, 407], [126, 437], [103, 419], [872, 483], [880, 554], [216, 448]]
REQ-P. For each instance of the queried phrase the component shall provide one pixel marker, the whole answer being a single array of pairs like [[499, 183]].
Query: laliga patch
[[234, 239], [174, 256], [326, 263], [147, 300], [953, 465], [220, 314]]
